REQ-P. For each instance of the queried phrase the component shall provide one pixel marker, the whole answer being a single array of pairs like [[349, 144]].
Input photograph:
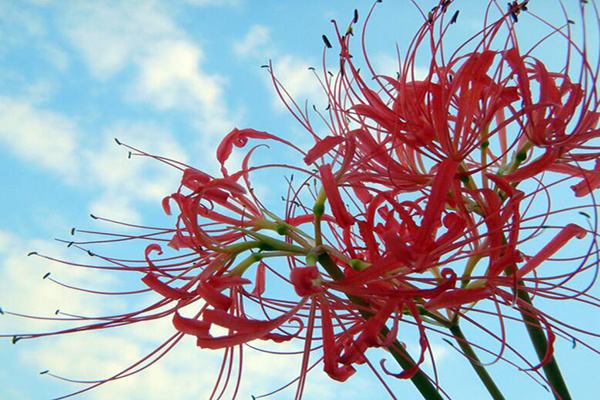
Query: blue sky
[[170, 78]]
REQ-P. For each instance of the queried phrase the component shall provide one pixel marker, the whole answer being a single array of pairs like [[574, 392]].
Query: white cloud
[[384, 64], [298, 81], [124, 182], [52, 141], [44, 138], [291, 70], [208, 3], [57, 56], [186, 372], [110, 36], [167, 65], [255, 43], [22, 288]]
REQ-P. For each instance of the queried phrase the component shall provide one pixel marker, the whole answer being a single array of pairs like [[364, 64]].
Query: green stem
[[468, 351], [420, 380], [538, 338], [475, 362]]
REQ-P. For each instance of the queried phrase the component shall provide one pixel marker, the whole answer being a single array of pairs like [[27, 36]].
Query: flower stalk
[[423, 384], [540, 344], [473, 359]]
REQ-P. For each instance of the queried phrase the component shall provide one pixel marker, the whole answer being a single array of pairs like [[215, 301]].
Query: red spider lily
[[433, 206]]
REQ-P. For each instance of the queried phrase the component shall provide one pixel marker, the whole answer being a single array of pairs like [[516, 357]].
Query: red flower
[[440, 197]]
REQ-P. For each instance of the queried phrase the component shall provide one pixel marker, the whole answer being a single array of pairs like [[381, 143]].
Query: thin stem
[[475, 362], [468, 351], [538, 338], [420, 380]]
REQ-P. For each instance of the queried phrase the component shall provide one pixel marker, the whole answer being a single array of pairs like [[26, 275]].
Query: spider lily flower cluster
[[424, 202]]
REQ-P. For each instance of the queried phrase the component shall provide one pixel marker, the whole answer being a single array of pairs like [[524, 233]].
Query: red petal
[[457, 298], [330, 353], [239, 138], [342, 216], [163, 289], [190, 326], [539, 165], [166, 206], [259, 287], [305, 280], [322, 147], [437, 199], [565, 235], [213, 297]]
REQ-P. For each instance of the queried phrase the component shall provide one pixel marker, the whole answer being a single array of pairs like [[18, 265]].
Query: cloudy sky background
[[170, 78]]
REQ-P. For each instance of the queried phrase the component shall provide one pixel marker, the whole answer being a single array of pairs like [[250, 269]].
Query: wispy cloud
[[291, 70], [167, 66], [256, 42], [43, 138]]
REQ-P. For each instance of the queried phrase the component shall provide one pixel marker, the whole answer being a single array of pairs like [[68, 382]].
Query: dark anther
[[570, 21], [574, 344], [90, 253], [44, 372], [326, 41], [314, 107], [93, 216], [117, 140], [31, 253], [454, 17], [1, 311], [72, 231], [15, 339], [328, 107], [56, 312], [253, 398], [264, 66], [70, 244], [129, 155], [514, 16], [355, 19], [585, 214], [46, 275]]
